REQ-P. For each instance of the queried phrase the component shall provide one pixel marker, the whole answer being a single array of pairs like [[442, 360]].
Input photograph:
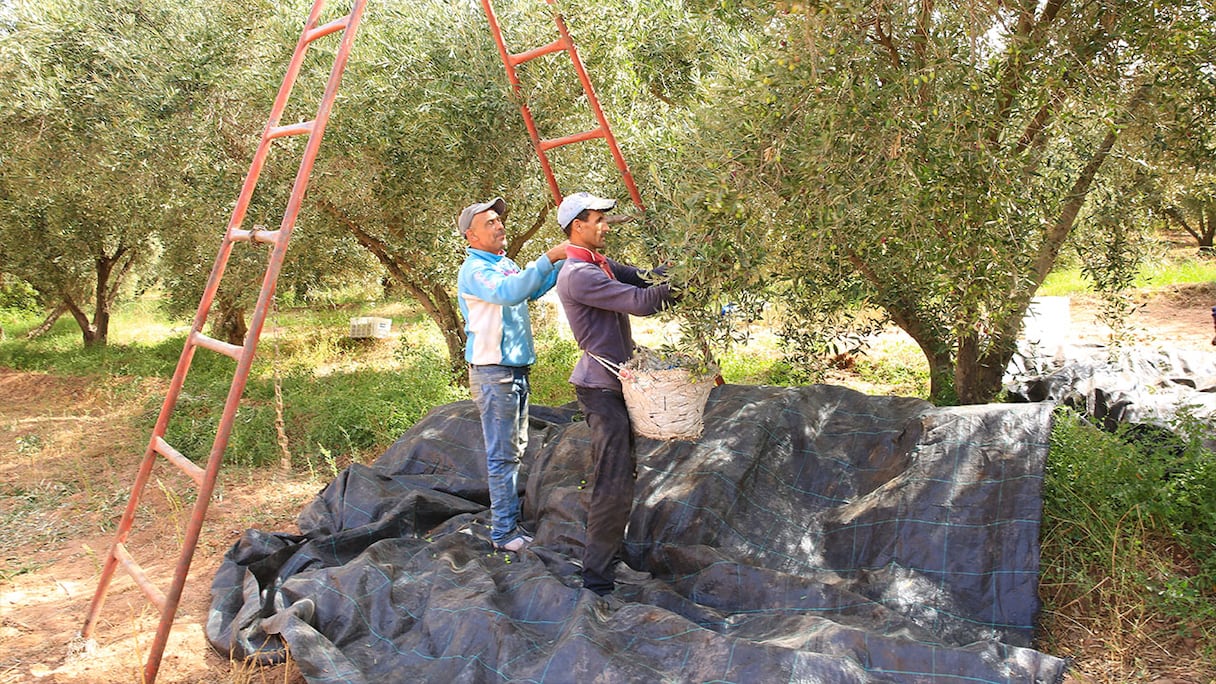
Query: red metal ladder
[[205, 479], [542, 146]]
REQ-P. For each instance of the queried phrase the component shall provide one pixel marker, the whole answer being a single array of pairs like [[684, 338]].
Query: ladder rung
[[215, 345], [522, 57], [140, 578], [293, 129], [267, 236], [322, 31], [577, 137], [184, 464]]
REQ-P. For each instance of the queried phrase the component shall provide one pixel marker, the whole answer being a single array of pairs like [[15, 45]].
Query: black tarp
[[813, 534], [1161, 388]]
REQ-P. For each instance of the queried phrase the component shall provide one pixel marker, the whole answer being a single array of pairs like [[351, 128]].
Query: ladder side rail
[[200, 319], [120, 537], [269, 133], [215, 459], [517, 90], [589, 89]]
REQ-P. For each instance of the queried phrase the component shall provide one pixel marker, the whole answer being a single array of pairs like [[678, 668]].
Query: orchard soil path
[[69, 448]]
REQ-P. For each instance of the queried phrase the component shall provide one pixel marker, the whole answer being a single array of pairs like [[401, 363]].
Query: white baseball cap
[[575, 204]]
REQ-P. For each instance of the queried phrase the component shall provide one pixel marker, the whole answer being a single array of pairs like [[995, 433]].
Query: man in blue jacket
[[493, 293], [598, 295]]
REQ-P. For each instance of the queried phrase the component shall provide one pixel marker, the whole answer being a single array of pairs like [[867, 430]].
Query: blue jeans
[[501, 395]]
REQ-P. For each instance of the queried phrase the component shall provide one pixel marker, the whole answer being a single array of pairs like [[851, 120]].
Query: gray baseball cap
[[573, 205], [463, 223]]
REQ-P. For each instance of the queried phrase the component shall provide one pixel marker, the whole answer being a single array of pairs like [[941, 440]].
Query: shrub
[[1130, 517]]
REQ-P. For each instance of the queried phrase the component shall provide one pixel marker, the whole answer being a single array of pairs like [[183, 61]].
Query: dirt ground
[[69, 449]]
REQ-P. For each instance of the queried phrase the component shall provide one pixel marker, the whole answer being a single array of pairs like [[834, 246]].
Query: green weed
[[741, 366], [1186, 272], [16, 295], [549, 381], [905, 379], [1129, 522], [29, 514], [1065, 282]]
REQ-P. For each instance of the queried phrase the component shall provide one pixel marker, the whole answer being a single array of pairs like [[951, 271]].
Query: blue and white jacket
[[493, 294]]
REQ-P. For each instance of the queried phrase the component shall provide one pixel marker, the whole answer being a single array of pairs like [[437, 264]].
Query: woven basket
[[666, 404]]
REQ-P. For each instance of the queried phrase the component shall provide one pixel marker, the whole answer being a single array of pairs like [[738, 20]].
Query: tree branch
[[920, 46], [435, 299], [920, 41], [400, 270], [1041, 118], [517, 243], [901, 309], [1025, 39], [1180, 219], [884, 39], [82, 319], [1073, 202], [123, 270], [47, 323]]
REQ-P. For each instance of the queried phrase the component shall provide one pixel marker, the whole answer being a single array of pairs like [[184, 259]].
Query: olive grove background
[[844, 163]]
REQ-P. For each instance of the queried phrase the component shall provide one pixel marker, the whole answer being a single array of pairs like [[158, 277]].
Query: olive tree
[[1192, 207], [247, 48], [928, 158], [428, 124], [1184, 184], [86, 103]]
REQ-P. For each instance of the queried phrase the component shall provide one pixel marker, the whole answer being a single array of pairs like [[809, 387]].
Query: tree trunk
[[48, 323], [101, 324], [978, 375], [104, 266], [228, 322], [941, 379], [1203, 232], [110, 270], [87, 331], [933, 343], [452, 327], [438, 303]]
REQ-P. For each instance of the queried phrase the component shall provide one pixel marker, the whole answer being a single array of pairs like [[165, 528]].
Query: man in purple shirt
[[598, 295]]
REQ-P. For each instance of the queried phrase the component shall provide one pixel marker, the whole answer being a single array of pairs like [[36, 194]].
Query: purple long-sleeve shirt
[[598, 309]]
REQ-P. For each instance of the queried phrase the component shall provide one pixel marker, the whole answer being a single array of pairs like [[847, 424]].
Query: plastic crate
[[370, 326]]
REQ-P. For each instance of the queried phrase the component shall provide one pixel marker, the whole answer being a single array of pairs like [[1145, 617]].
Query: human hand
[[557, 252]]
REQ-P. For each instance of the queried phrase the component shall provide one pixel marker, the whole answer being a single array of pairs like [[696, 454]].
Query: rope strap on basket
[[612, 367]]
